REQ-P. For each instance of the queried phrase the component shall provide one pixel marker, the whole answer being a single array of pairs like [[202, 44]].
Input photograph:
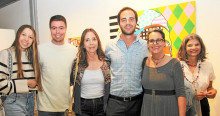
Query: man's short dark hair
[[127, 8], [57, 18]]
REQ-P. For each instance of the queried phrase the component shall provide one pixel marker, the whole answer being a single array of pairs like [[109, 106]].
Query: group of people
[[131, 77]]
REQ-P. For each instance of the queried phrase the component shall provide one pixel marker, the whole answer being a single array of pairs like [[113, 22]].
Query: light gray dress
[[166, 77]]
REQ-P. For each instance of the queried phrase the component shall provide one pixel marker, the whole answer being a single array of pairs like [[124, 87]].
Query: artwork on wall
[[74, 41], [176, 21]]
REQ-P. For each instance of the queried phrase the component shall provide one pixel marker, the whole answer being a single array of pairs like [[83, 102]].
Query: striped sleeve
[[10, 86], [5, 85]]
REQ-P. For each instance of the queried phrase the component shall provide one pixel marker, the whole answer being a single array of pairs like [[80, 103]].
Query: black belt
[[94, 99], [159, 92], [126, 99]]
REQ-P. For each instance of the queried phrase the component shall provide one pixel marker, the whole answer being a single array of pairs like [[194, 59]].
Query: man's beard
[[127, 33]]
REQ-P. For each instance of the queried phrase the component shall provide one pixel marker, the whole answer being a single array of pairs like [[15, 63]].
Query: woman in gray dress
[[162, 81]]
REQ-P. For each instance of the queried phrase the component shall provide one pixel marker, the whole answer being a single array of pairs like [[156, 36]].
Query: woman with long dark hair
[[25, 75], [93, 78]]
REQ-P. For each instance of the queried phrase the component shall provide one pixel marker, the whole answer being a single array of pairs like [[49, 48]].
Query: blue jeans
[[19, 104], [92, 107]]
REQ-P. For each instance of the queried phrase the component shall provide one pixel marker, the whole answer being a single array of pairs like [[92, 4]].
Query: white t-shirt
[[56, 62], [92, 84], [205, 75]]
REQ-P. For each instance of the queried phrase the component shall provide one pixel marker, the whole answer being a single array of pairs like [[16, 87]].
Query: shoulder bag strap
[[76, 70], [144, 62], [9, 64]]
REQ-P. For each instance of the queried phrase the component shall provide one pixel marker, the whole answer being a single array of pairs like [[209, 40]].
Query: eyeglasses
[[158, 41]]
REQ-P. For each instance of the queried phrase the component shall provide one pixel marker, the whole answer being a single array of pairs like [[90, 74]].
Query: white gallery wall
[[11, 18], [6, 38], [81, 14], [15, 15]]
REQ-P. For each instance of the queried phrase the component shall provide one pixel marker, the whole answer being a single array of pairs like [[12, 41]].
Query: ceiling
[[4, 3]]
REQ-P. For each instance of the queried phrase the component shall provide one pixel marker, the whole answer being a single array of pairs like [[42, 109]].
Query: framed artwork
[[176, 21]]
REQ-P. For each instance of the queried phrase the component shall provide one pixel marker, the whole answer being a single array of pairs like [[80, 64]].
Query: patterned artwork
[[74, 41], [176, 21]]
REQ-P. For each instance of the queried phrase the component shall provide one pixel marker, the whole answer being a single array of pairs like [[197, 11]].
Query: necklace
[[192, 65], [157, 61], [195, 79]]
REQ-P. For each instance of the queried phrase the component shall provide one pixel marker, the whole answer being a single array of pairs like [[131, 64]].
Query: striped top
[[14, 85]]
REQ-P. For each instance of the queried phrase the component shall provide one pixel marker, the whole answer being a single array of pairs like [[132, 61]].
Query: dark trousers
[[205, 107], [124, 108], [43, 113], [92, 107]]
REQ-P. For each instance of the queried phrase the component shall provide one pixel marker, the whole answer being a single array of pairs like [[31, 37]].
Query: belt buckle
[[127, 99], [153, 92]]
